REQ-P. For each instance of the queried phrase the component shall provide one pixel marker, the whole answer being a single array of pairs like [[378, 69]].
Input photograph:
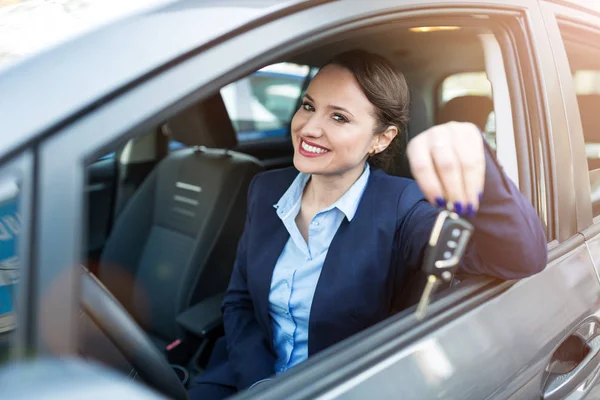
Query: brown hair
[[386, 88]]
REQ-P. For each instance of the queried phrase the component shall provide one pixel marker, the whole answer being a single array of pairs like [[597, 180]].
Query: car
[[119, 263]]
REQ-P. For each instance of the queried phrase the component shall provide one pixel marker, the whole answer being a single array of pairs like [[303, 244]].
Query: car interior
[[164, 219]]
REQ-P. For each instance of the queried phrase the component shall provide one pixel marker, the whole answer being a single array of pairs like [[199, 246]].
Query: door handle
[[559, 386]]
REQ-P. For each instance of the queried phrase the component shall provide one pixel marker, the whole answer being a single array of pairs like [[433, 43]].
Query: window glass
[[587, 88], [587, 81], [10, 228], [584, 62], [466, 84], [262, 105]]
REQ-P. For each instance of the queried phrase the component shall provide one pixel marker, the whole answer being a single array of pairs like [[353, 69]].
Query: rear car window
[[262, 104], [587, 88], [584, 61]]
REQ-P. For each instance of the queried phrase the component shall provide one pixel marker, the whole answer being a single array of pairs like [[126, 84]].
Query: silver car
[[125, 144]]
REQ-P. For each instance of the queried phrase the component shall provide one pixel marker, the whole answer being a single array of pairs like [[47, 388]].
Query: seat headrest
[[204, 124], [474, 109], [589, 109]]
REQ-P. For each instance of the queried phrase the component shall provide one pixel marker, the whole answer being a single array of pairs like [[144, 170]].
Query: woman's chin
[[308, 165]]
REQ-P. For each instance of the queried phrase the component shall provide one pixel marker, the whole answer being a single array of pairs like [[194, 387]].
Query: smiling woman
[[383, 96]]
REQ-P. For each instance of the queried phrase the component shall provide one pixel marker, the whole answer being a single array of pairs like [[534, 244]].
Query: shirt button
[[315, 223]]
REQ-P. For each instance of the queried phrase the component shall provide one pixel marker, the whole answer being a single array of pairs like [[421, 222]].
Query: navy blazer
[[367, 264]]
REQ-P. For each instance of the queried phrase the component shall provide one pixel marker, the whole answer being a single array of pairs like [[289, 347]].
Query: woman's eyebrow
[[333, 107]]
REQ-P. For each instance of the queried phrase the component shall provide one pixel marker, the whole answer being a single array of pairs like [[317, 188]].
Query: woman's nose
[[312, 127]]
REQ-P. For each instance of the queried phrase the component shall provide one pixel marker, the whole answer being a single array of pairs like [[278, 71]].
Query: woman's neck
[[323, 190]]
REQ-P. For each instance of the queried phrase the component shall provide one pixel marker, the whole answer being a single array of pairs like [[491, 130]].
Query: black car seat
[[474, 109], [418, 122], [175, 241]]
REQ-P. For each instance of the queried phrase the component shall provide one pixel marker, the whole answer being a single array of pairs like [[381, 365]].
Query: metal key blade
[[432, 282]]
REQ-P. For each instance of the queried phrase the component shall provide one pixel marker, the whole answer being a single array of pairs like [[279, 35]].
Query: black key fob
[[447, 244]]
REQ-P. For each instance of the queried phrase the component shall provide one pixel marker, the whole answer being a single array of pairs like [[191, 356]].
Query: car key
[[447, 244]]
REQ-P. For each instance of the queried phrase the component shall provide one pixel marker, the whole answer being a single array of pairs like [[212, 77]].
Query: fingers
[[423, 170], [448, 168], [470, 151], [448, 163]]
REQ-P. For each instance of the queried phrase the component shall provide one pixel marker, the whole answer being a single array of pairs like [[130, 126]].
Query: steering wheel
[[129, 339]]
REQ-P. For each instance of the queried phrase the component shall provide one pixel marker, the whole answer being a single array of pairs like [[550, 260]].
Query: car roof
[[43, 92]]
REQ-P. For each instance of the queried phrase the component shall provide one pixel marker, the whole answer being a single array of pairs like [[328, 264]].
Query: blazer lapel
[[336, 262]]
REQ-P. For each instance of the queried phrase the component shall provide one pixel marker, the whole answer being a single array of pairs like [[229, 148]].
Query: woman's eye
[[340, 118], [307, 106]]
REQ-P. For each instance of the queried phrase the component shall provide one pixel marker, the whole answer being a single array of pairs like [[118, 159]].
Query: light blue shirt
[[299, 266]]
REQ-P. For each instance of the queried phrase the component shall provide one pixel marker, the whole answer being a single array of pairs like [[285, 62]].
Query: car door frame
[[135, 110], [573, 16]]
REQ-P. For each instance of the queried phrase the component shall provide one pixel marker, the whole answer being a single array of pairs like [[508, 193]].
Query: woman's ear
[[384, 139]]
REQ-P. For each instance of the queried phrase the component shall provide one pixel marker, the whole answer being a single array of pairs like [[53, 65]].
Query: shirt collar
[[348, 203]]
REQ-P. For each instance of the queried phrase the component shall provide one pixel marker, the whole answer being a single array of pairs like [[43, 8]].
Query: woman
[[326, 251]]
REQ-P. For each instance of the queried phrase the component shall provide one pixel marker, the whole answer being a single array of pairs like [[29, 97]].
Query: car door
[[575, 34]]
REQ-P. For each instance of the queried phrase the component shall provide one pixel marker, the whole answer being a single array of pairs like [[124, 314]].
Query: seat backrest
[[417, 123], [474, 109], [174, 242]]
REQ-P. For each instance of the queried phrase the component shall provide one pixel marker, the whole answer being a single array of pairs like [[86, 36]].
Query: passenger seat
[[474, 109], [175, 241]]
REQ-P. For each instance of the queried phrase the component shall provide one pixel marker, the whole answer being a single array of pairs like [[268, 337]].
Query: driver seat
[[174, 243]]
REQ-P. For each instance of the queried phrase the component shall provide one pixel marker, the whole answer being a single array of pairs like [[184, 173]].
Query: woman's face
[[332, 132]]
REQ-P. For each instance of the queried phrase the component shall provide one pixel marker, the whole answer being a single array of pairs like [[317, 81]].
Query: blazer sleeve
[[250, 357], [509, 241]]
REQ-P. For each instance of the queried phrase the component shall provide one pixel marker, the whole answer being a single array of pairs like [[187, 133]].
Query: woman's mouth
[[308, 149]]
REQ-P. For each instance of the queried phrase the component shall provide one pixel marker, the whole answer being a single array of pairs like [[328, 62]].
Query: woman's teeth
[[312, 149]]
